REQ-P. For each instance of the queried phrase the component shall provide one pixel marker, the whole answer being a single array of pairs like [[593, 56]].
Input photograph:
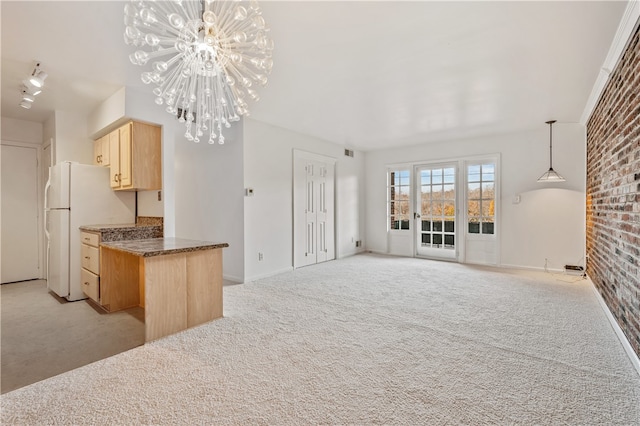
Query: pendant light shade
[[551, 175]]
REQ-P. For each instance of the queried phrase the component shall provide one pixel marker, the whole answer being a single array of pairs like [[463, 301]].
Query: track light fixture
[[27, 87], [32, 86], [28, 97]]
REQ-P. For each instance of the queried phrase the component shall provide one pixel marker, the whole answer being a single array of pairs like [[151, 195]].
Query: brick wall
[[613, 193]]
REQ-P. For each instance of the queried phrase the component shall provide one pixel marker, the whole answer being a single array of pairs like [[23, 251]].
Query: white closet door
[[310, 213], [314, 228], [20, 240]]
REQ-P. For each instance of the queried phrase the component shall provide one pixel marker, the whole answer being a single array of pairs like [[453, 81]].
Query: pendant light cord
[[551, 143]]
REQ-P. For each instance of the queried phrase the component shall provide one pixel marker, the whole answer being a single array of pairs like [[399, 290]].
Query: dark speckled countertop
[[118, 226], [125, 231], [161, 246]]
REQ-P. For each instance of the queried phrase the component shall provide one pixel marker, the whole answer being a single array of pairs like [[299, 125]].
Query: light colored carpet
[[44, 335], [365, 340]]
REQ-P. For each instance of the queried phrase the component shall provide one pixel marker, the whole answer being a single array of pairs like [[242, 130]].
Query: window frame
[[479, 161], [408, 201]]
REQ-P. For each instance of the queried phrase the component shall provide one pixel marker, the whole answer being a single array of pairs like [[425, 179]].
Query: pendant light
[[551, 175]]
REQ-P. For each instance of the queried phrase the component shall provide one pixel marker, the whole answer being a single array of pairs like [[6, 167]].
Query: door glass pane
[[449, 240], [436, 192], [487, 227], [473, 190], [449, 225], [473, 208], [436, 176], [487, 208], [436, 227], [449, 208], [449, 192]]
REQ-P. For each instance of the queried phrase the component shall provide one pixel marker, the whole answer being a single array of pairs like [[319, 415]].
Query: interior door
[[436, 211], [314, 217], [20, 212]]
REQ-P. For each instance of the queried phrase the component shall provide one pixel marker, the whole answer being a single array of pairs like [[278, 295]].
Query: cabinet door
[[91, 258], [125, 155], [105, 146], [97, 151], [114, 154], [91, 285]]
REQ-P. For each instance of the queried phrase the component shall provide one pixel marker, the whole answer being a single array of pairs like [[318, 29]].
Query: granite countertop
[[116, 226], [161, 246]]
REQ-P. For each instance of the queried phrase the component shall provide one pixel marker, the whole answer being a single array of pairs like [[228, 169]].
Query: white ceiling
[[365, 74]]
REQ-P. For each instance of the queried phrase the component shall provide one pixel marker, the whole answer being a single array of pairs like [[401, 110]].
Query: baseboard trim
[[232, 278], [529, 268], [268, 274], [633, 357]]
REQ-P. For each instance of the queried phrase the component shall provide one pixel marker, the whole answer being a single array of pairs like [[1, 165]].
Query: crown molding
[[630, 19]]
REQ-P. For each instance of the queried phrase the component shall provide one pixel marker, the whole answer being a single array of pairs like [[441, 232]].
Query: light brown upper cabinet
[[101, 151], [135, 157]]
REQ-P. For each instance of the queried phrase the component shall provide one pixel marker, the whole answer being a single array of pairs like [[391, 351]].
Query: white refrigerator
[[76, 195]]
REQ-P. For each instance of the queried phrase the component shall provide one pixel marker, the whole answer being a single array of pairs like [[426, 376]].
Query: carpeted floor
[[365, 340], [44, 335]]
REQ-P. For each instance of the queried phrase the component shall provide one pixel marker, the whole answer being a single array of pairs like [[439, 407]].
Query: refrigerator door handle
[[46, 208]]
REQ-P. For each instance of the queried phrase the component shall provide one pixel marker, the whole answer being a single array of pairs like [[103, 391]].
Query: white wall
[[72, 141], [548, 223], [268, 218], [21, 131], [209, 193]]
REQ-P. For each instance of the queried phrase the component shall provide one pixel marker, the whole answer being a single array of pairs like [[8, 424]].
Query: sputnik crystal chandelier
[[206, 57]]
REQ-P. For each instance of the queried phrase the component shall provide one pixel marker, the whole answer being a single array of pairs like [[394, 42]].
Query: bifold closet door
[[313, 202]]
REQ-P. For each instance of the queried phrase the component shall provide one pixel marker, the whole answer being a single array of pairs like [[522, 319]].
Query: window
[[481, 195], [399, 187]]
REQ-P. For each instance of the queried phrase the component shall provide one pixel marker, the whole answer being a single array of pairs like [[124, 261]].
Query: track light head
[[37, 80]]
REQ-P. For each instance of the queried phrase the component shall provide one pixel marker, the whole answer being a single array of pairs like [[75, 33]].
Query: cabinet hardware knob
[[87, 257]]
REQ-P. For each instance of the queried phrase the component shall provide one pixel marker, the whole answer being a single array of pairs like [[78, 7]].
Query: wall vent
[[348, 152]]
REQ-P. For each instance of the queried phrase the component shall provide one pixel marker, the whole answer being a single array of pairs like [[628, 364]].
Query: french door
[[435, 212]]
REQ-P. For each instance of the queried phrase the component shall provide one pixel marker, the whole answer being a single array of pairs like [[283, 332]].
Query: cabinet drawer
[[91, 285], [91, 258], [90, 238]]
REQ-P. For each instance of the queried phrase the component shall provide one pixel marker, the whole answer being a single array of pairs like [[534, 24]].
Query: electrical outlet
[[358, 243], [260, 257], [159, 195]]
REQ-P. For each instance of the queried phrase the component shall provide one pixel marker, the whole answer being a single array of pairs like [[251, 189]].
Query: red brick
[[613, 193]]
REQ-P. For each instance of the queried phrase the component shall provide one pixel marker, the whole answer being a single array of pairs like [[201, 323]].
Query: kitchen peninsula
[[177, 281]]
